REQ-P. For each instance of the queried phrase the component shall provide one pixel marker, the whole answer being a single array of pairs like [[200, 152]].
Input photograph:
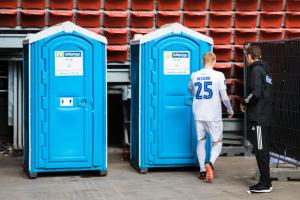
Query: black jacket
[[259, 99]]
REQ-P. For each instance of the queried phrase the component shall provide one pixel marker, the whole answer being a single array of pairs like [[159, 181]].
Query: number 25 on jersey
[[208, 93]]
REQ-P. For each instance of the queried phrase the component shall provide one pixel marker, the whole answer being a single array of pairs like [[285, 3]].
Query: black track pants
[[259, 137]]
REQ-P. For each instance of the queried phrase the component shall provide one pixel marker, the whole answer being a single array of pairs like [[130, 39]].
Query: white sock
[[215, 151], [201, 153]]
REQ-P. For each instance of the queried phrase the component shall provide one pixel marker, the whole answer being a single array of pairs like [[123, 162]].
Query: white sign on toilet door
[[176, 62], [68, 63]]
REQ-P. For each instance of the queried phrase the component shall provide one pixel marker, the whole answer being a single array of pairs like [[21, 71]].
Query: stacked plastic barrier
[[230, 23], [283, 58]]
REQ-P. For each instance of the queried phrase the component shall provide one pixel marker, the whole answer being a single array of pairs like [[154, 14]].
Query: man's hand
[[242, 107], [230, 115]]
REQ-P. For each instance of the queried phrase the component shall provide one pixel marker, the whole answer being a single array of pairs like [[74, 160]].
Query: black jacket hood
[[261, 63]]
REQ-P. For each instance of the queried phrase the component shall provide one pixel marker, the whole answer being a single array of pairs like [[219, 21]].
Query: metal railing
[[283, 58]]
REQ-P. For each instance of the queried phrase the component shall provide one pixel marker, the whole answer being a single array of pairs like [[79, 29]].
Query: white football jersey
[[206, 85]]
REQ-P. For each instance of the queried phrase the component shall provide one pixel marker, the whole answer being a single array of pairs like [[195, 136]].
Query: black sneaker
[[261, 188], [260, 183], [202, 175]]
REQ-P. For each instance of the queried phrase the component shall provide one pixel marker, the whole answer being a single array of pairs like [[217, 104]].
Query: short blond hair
[[209, 58]]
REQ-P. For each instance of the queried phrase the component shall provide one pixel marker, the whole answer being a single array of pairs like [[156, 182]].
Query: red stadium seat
[[13, 4], [220, 5], [89, 5], [142, 19], [271, 19], [90, 19], [115, 19], [116, 36], [225, 68], [115, 5], [292, 20], [271, 5], [194, 19], [61, 4], [33, 4], [292, 5], [201, 30], [238, 70], [229, 83], [270, 34], [246, 5], [167, 17], [223, 53], [194, 5], [56, 17], [245, 35], [95, 30], [33, 18], [221, 36], [292, 33], [220, 19], [245, 19], [134, 31], [117, 53], [168, 4], [235, 103], [238, 87], [142, 5], [238, 55], [8, 18]]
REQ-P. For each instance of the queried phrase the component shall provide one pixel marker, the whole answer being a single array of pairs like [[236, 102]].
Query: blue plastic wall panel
[[26, 103], [134, 130], [67, 130], [167, 136]]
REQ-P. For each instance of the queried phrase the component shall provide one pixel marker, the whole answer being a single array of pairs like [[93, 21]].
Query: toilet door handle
[[82, 102]]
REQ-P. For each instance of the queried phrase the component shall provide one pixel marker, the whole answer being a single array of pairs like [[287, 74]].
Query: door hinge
[[153, 151], [154, 77], [153, 101], [45, 53], [44, 127], [44, 102], [153, 124], [44, 77], [155, 53], [44, 153]]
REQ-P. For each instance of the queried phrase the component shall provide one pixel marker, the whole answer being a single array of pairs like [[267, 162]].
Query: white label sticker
[[66, 101], [176, 62], [68, 63]]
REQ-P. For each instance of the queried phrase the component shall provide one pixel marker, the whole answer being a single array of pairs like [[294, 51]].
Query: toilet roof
[[67, 27], [171, 28]]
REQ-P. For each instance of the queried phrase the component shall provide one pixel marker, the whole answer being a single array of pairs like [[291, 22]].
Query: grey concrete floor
[[233, 175]]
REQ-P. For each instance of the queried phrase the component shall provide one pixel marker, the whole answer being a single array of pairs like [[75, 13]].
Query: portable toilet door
[[162, 130], [65, 100]]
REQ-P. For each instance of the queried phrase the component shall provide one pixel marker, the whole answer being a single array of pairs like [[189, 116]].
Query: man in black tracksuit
[[259, 103]]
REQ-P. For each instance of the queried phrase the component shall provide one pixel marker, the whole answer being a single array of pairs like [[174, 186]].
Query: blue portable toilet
[[65, 100], [162, 124]]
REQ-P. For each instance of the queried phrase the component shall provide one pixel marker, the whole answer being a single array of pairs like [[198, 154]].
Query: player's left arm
[[224, 96], [191, 86]]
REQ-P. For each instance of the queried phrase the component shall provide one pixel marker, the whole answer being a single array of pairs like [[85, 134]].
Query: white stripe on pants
[[259, 138]]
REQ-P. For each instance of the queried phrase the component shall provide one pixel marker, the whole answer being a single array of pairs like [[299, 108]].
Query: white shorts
[[214, 128]]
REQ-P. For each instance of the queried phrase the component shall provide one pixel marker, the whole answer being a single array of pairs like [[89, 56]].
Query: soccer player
[[209, 88], [259, 102]]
